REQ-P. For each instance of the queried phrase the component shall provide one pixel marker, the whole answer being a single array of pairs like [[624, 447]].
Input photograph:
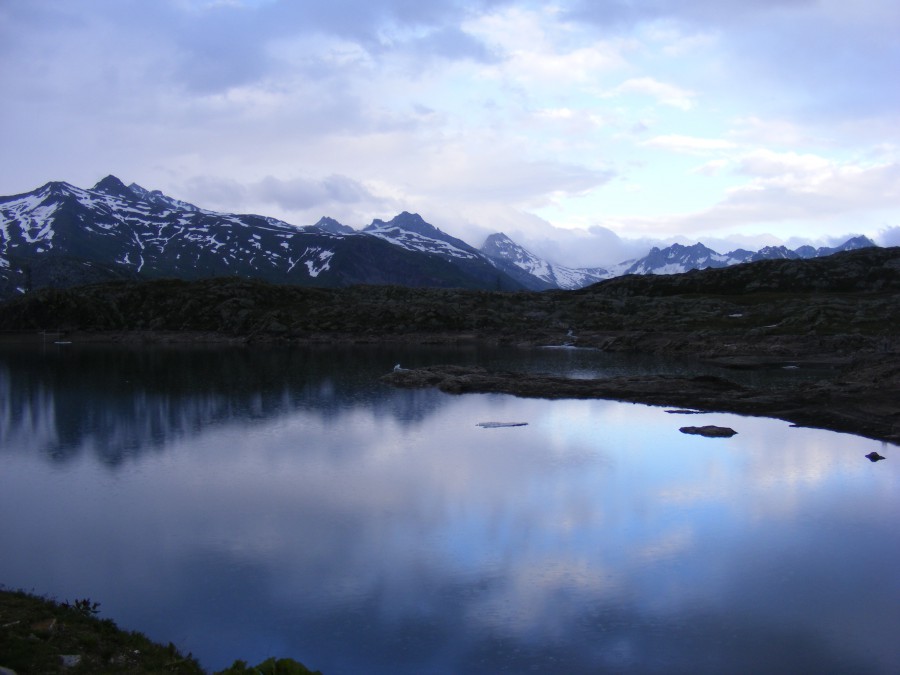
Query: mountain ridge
[[61, 235]]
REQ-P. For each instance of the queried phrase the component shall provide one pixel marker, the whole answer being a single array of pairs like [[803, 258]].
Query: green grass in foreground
[[38, 635]]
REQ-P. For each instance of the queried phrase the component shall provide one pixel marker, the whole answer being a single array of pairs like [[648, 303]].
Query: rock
[[874, 457], [709, 431], [500, 425], [44, 627], [69, 660]]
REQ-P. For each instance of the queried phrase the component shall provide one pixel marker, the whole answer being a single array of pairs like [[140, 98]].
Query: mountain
[[327, 224], [61, 235], [533, 272], [410, 232], [853, 244], [677, 258]]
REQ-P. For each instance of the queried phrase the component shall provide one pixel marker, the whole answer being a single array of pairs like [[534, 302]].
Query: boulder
[[710, 431]]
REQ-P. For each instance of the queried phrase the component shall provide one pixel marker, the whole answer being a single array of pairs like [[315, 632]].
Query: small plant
[[84, 606], [270, 666]]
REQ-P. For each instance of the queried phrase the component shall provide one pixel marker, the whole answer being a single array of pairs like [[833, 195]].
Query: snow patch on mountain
[[320, 261], [410, 231], [535, 272]]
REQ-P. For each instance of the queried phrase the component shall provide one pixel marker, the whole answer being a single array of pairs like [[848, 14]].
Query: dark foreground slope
[[842, 311], [39, 635]]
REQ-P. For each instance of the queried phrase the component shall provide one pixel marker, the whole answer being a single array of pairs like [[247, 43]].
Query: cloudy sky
[[584, 129]]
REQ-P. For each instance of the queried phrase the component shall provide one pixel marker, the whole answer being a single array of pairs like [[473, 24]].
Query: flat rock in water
[[709, 431], [500, 425]]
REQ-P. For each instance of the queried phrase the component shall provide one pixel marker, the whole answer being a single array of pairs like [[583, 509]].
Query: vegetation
[[38, 635], [847, 300]]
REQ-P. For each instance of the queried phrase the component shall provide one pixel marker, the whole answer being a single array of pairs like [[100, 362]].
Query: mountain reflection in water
[[283, 502]]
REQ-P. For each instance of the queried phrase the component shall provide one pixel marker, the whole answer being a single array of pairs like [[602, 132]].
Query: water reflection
[[291, 505], [117, 403]]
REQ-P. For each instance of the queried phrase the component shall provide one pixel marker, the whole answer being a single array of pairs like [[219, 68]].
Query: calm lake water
[[253, 503]]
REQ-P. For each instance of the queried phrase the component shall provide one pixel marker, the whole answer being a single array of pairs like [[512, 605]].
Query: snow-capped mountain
[[851, 244], [677, 258], [410, 231], [533, 272], [60, 235]]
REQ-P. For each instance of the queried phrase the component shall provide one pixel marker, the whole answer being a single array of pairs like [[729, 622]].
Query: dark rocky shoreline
[[840, 314], [868, 405]]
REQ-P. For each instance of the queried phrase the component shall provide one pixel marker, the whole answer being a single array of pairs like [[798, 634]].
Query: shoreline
[[834, 404], [858, 393]]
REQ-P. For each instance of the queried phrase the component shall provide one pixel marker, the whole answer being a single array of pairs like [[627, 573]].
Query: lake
[[246, 503]]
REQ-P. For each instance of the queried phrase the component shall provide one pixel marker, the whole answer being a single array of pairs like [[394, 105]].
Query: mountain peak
[[328, 224], [859, 241], [114, 187], [500, 245], [411, 222], [497, 237]]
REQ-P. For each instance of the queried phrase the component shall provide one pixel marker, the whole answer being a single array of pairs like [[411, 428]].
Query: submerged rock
[[875, 457], [709, 431]]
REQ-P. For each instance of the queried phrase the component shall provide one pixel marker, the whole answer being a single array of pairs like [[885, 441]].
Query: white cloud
[[889, 236], [537, 51], [469, 107], [691, 145], [667, 94], [714, 167], [754, 130], [785, 166], [794, 188]]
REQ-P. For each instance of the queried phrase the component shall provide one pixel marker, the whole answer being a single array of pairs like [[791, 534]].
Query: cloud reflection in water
[[292, 505]]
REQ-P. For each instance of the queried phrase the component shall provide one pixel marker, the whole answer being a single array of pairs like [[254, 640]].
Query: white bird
[[397, 367]]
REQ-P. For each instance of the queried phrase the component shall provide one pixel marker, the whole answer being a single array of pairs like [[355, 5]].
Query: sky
[[586, 130]]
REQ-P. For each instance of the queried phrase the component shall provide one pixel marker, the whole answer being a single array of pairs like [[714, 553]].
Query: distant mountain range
[[60, 235]]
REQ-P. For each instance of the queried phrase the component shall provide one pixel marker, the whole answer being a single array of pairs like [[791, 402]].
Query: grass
[[39, 635]]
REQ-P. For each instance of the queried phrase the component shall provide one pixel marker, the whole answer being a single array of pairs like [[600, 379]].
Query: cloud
[[449, 42], [889, 236], [538, 52], [705, 12], [691, 145], [668, 94], [468, 109], [304, 193], [299, 200], [754, 130], [795, 58], [596, 246], [789, 187]]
